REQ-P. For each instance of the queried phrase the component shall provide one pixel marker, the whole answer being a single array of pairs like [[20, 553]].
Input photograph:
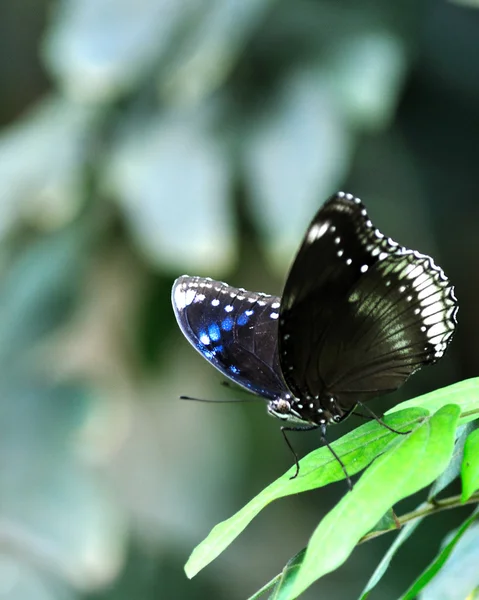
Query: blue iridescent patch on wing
[[210, 353], [243, 319], [227, 324], [214, 332]]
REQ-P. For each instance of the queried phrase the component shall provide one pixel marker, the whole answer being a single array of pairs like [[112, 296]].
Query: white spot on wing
[[437, 330], [317, 231], [183, 298]]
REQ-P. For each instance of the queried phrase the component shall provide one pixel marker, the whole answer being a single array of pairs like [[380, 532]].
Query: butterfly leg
[[283, 431], [380, 421], [324, 441], [336, 456], [365, 417]]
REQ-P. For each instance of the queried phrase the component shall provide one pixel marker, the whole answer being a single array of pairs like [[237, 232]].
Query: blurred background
[[142, 139]]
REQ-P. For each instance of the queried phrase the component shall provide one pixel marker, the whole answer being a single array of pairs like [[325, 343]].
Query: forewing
[[360, 313], [235, 330]]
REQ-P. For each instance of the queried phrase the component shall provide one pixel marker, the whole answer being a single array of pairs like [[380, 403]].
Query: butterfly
[[359, 314]]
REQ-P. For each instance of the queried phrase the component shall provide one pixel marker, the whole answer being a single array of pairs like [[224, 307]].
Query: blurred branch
[[426, 509]]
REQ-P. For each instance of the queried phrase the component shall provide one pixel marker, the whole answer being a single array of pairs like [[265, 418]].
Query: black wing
[[235, 330], [359, 313]]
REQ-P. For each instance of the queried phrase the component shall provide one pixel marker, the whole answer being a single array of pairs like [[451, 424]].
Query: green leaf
[[283, 582], [453, 469], [386, 522], [288, 577], [411, 464], [451, 472], [465, 394], [438, 562], [470, 466], [357, 450]]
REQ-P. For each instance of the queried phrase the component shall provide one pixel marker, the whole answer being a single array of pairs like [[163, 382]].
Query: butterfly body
[[359, 314]]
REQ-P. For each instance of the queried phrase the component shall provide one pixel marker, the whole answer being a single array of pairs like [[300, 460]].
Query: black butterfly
[[359, 314]]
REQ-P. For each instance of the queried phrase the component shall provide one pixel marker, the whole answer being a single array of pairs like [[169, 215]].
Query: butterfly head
[[285, 408], [320, 410]]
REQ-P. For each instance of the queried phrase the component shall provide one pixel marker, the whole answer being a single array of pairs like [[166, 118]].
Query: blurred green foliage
[[144, 139]]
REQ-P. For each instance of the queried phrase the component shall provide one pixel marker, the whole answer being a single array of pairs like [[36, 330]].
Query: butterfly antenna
[[229, 400], [379, 420]]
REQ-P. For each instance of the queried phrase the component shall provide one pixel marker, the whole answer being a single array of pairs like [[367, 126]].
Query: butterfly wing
[[235, 330], [360, 313]]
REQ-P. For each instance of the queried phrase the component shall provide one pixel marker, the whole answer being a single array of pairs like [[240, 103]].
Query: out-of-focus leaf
[[366, 74], [454, 467], [39, 289], [402, 536], [65, 521], [295, 155], [172, 179], [453, 574], [468, 3], [41, 164], [201, 64], [283, 583], [414, 462], [357, 449], [470, 466], [21, 581], [98, 49], [451, 472], [52, 507]]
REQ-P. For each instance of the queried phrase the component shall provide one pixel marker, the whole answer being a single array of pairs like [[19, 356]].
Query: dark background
[[144, 139]]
